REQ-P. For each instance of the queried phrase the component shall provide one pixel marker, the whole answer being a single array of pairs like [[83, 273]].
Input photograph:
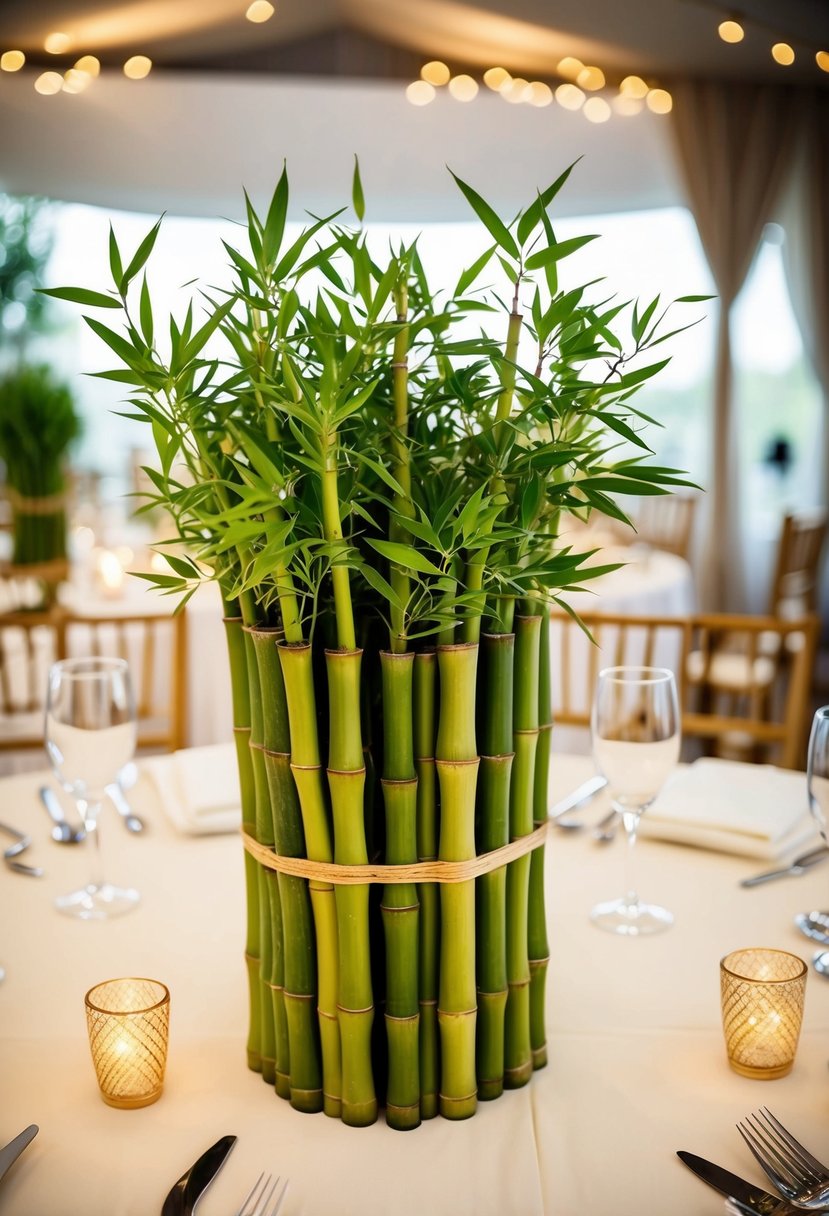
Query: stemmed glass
[[636, 733], [817, 783], [90, 736]]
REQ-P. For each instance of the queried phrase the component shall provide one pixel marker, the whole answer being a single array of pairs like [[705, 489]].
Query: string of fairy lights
[[576, 86], [581, 87], [78, 76]]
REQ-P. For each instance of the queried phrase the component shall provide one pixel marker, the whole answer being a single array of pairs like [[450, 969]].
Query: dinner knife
[[190, 1186], [10, 1153], [799, 866], [732, 1185], [583, 793]]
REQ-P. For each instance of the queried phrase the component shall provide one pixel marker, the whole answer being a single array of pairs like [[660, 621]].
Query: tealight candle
[[128, 1022], [762, 995]]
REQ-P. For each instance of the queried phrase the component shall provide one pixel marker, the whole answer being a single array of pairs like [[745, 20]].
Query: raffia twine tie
[[48, 504], [420, 871]]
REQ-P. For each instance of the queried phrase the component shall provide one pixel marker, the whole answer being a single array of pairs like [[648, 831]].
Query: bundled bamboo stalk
[[400, 906], [495, 694], [538, 948], [424, 710], [456, 760], [518, 1052]]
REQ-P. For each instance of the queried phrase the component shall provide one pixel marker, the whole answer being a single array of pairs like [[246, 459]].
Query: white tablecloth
[[637, 1066]]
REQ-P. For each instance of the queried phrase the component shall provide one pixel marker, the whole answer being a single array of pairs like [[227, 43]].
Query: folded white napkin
[[752, 810], [199, 788]]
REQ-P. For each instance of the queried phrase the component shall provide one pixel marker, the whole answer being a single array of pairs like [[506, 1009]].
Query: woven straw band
[[47, 505], [420, 871]]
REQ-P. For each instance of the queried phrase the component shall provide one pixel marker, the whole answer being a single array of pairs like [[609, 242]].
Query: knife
[[14, 1148], [583, 793], [730, 1184], [190, 1186], [799, 866]]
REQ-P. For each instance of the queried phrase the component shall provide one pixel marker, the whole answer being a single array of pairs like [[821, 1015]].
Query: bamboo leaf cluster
[[39, 422], [377, 475]]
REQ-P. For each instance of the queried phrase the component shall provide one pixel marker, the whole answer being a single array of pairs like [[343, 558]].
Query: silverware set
[[11, 855], [800, 1179]]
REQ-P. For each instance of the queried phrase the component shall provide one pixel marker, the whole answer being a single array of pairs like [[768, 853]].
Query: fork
[[796, 1174], [10, 855], [260, 1195]]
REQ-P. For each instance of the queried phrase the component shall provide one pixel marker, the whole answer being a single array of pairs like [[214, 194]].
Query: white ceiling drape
[[187, 144]]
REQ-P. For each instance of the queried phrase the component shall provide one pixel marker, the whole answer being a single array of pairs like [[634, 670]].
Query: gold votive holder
[[128, 1022], [762, 995]]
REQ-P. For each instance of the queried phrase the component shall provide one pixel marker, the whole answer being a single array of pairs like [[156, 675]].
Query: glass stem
[[89, 812], [630, 819]]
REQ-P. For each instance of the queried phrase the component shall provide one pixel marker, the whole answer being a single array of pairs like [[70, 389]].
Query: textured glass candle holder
[[762, 1007], [128, 1022]]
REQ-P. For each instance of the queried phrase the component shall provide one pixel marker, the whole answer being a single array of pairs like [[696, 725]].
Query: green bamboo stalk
[[496, 696], [240, 697], [400, 579], [537, 943], [264, 835], [346, 782], [457, 767], [297, 673], [518, 1065], [424, 702], [400, 907], [286, 836]]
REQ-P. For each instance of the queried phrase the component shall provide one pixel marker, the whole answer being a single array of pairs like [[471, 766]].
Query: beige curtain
[[806, 252], [734, 142]]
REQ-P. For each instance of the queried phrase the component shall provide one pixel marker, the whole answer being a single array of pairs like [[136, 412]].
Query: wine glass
[[636, 733], [90, 736], [817, 784]]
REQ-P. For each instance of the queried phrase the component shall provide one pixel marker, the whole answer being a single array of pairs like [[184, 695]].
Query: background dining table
[[637, 1065]]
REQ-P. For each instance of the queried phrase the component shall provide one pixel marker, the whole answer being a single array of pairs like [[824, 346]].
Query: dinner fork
[[796, 1174], [265, 1189]]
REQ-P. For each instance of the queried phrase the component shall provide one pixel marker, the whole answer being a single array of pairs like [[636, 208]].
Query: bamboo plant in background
[[376, 475], [38, 425]]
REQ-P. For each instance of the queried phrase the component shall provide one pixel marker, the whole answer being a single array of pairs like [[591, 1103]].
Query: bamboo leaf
[[115, 342], [80, 295], [469, 276], [141, 255], [489, 218], [275, 220], [532, 216], [406, 556], [558, 251], [115, 264], [146, 313], [357, 197], [375, 579]]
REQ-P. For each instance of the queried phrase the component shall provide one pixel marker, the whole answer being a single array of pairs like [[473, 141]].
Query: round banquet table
[[637, 1065]]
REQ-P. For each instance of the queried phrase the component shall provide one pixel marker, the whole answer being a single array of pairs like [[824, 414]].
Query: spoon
[[821, 963], [814, 925], [62, 832], [132, 822], [606, 829]]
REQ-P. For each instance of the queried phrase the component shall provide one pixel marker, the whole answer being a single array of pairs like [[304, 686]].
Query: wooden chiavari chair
[[760, 714]]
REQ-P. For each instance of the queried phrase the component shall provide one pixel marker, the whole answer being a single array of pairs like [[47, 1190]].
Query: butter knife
[[583, 793], [799, 866], [722, 1180], [10, 1153], [184, 1195]]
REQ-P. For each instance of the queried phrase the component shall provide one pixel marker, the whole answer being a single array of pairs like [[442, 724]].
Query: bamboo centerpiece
[[380, 497]]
